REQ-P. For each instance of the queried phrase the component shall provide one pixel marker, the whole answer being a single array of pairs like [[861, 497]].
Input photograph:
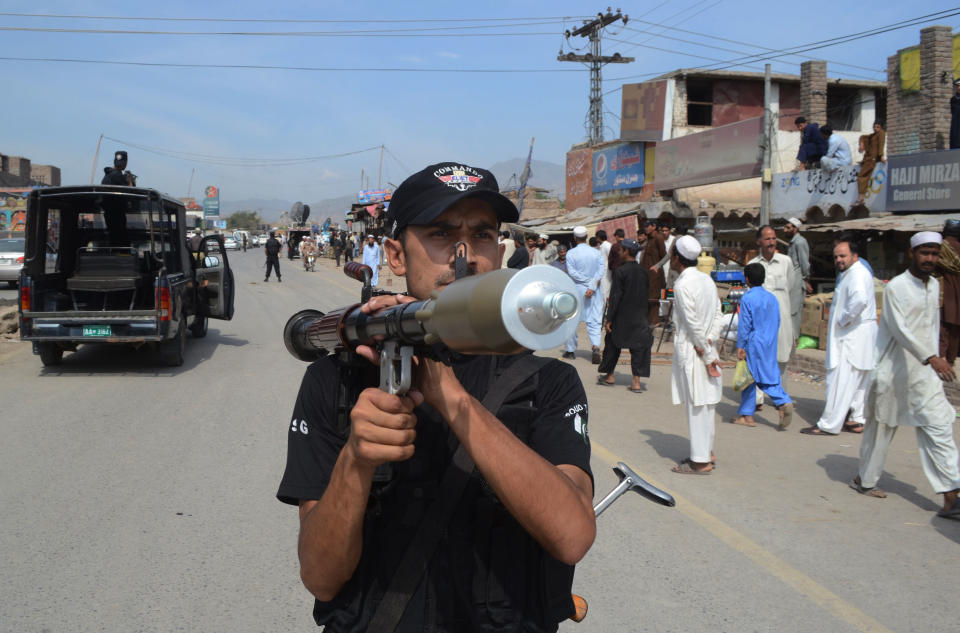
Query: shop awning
[[909, 223]]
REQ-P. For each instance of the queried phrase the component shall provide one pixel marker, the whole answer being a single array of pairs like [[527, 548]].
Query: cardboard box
[[822, 330], [810, 318]]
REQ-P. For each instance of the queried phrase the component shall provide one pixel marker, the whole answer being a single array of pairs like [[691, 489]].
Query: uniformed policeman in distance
[[505, 560], [115, 175]]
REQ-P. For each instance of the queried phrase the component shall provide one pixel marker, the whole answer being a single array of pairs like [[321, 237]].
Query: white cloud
[[449, 55]]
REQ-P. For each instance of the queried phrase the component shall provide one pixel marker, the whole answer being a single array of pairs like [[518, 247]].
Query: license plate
[[97, 330]]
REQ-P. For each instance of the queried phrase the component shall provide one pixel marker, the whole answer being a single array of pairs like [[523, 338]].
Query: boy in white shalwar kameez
[[696, 379], [907, 389]]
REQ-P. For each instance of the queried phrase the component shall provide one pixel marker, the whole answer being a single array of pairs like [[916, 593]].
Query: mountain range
[[545, 175]]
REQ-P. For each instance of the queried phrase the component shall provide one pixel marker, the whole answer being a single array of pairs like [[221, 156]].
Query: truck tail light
[[163, 303], [25, 288]]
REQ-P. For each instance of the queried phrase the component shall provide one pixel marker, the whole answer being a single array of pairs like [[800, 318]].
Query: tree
[[244, 220]]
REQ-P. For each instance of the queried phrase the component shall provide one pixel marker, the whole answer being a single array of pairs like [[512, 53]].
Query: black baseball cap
[[422, 197]]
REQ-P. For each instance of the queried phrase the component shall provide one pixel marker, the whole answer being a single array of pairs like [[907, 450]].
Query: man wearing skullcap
[[371, 258], [586, 267], [548, 248], [696, 380], [949, 268], [799, 254], [851, 337], [908, 385]]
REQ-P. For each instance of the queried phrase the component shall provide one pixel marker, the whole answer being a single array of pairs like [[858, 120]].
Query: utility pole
[[766, 180], [380, 170], [592, 30], [96, 157]]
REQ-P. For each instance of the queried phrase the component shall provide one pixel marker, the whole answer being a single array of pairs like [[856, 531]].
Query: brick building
[[920, 84]]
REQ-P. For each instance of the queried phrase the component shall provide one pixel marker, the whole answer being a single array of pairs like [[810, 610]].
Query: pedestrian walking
[[908, 387], [371, 258], [586, 268], [626, 325], [561, 261], [758, 324], [653, 253], [851, 337], [695, 381], [272, 251]]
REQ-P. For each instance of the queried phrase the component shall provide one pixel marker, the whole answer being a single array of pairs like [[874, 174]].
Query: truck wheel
[[51, 354], [171, 350], [199, 326]]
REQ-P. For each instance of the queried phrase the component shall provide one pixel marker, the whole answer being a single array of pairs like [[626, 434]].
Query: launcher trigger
[[396, 367]]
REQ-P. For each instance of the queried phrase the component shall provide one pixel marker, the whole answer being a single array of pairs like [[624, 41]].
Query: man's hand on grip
[[383, 427]]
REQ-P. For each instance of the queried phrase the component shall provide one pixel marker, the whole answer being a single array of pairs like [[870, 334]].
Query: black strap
[[415, 559]]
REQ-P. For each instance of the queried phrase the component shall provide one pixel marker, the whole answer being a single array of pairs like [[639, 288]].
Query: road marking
[[802, 583]]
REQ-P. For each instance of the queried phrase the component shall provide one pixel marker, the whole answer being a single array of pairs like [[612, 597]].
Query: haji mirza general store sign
[[926, 181]]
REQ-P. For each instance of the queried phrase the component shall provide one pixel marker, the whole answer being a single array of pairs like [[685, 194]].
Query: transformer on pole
[[592, 30]]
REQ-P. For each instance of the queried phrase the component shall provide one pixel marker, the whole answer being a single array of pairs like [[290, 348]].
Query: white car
[[11, 259], [230, 244], [262, 239]]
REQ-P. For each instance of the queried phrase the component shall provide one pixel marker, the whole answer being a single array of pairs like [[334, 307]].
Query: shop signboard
[[366, 196], [925, 181], [13, 208], [211, 202], [793, 193], [618, 167], [720, 154], [579, 181]]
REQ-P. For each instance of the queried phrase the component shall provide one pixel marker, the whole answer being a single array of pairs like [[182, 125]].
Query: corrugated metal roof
[[888, 222]]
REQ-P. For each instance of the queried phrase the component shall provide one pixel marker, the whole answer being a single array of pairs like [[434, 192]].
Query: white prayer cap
[[688, 247], [797, 223], [579, 231], [544, 236], [368, 235], [925, 237]]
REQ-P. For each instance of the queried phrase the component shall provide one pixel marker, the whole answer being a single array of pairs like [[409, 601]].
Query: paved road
[[140, 498]]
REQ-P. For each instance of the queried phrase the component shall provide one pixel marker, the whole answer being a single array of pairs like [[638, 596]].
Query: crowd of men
[[893, 365]]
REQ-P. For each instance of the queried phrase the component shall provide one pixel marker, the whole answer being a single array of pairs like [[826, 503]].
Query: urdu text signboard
[[618, 167], [925, 181], [793, 193]]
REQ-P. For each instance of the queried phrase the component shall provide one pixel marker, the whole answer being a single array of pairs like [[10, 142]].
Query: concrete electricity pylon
[[592, 30]]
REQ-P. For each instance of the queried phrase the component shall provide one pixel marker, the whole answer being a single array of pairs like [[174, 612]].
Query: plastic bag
[[807, 342], [742, 378]]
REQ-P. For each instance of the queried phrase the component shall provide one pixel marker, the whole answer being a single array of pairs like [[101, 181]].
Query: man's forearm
[[331, 529], [551, 506]]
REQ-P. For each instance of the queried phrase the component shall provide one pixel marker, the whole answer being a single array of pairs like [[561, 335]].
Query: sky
[[376, 80]]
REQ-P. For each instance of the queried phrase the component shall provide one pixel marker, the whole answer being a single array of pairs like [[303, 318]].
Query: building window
[[843, 107], [699, 102]]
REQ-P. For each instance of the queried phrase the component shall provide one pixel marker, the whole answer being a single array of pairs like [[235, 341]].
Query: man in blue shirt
[[759, 323], [812, 144], [586, 267], [838, 151]]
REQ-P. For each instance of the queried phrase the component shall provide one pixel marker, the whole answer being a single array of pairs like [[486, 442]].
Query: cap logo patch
[[459, 177]]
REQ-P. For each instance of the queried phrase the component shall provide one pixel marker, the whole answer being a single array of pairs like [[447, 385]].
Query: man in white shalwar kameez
[[851, 337], [586, 268], [907, 389], [696, 380], [371, 258], [780, 280]]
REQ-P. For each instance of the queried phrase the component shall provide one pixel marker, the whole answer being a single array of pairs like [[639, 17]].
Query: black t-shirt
[[113, 176], [483, 552], [272, 247]]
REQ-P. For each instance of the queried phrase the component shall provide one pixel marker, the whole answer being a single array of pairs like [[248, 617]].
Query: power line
[[235, 161], [284, 20], [730, 50], [421, 32], [802, 48], [269, 67]]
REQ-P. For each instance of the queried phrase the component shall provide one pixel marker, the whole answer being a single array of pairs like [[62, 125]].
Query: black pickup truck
[[111, 264]]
